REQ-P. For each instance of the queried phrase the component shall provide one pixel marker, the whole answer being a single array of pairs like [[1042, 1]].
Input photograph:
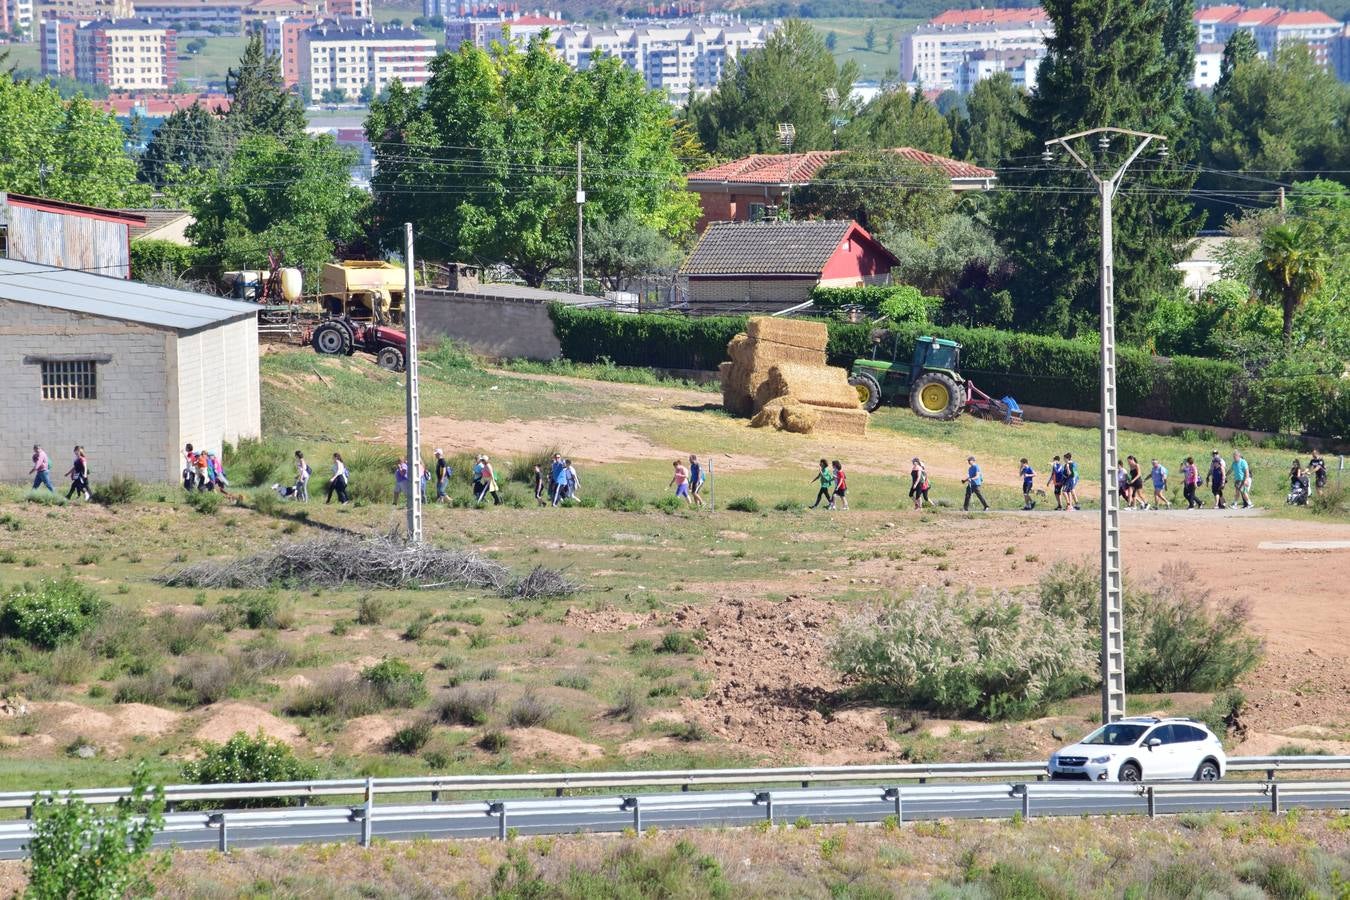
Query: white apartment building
[[1021, 65], [1208, 64], [353, 56], [1271, 26], [934, 53]]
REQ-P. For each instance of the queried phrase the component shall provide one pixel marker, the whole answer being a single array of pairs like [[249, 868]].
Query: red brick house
[[744, 189], [767, 266]]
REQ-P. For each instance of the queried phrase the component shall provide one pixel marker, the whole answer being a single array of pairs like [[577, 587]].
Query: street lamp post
[[1112, 600]]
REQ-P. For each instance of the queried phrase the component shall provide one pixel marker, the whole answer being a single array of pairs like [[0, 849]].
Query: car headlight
[[1098, 760]]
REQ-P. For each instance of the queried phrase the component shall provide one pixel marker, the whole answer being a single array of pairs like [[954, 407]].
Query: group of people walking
[[78, 473], [204, 470]]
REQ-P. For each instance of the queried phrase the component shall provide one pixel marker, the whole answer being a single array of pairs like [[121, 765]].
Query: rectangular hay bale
[[841, 421], [816, 385], [793, 332]]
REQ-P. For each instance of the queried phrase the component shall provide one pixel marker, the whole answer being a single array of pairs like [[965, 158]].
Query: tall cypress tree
[[259, 100], [1122, 64]]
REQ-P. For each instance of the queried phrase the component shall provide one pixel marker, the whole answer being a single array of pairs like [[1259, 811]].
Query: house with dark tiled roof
[[767, 266], [745, 189], [162, 225]]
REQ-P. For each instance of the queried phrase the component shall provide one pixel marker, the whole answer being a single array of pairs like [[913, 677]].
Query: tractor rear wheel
[[869, 392], [331, 339], [936, 396], [390, 358]]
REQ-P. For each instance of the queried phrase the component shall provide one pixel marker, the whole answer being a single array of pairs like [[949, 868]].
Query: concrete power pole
[[414, 409], [581, 205], [1112, 602]]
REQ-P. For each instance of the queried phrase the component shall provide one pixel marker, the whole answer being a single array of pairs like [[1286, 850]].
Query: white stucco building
[[130, 371]]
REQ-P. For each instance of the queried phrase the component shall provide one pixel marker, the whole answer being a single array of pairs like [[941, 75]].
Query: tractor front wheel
[[390, 358], [331, 339], [869, 392], [936, 396]]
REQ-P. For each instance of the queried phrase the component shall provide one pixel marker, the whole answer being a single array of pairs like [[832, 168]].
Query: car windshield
[[1117, 734]]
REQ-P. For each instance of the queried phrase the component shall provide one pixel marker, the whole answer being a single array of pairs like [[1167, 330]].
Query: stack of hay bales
[[778, 376]]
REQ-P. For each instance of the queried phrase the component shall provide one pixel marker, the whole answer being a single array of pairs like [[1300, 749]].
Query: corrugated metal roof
[[115, 298]]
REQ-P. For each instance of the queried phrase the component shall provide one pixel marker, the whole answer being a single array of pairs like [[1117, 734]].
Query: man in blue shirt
[[1242, 479], [974, 478], [1028, 484]]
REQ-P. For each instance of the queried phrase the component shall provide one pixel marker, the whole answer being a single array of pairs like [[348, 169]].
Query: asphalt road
[[396, 823]]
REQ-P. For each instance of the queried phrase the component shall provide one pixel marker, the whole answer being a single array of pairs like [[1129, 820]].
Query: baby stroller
[[1298, 491]]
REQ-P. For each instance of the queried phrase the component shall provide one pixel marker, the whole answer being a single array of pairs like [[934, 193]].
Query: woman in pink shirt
[[681, 481]]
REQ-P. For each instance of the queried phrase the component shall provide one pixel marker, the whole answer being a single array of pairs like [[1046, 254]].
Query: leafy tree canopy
[[900, 118], [260, 102], [880, 190], [190, 139]]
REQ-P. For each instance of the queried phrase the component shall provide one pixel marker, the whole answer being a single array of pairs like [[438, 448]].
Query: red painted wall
[[856, 257]]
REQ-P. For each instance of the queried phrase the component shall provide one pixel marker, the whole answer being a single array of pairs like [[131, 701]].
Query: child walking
[[681, 482], [973, 480], [695, 481], [1028, 485], [826, 478], [1056, 481], [918, 483], [840, 485]]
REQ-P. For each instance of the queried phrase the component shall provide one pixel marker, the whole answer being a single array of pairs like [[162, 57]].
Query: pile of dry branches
[[385, 561]]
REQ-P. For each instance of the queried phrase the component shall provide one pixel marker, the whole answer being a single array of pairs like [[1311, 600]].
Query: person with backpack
[[1190, 482], [918, 483], [1242, 479], [1056, 481], [489, 481], [1159, 475], [302, 475], [79, 475], [826, 479], [338, 482], [1218, 477], [1028, 485], [695, 481], [840, 484], [973, 480], [1070, 482]]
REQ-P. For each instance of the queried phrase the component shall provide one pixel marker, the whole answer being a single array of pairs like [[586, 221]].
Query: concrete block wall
[[740, 295], [217, 385], [496, 327], [126, 430]]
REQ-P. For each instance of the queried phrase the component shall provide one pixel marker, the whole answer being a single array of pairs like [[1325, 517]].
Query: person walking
[[572, 480], [79, 475], [402, 482], [1317, 472], [1159, 476], [840, 485], [1136, 482], [190, 468], [540, 486], [556, 481], [1123, 484], [1070, 482], [478, 478], [204, 482], [681, 482], [216, 470], [338, 482], [1056, 481], [973, 480], [826, 478], [1218, 477], [302, 475], [489, 479], [1028, 485], [1242, 479], [1190, 483], [695, 481], [41, 471], [918, 483], [443, 476]]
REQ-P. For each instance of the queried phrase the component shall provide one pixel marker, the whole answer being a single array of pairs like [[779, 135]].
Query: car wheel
[[1208, 771], [1131, 772]]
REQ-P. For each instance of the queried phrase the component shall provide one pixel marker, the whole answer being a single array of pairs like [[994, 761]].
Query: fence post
[[1152, 809], [500, 809], [1026, 802], [767, 799], [368, 820], [224, 836], [894, 794], [1275, 798], [637, 814]]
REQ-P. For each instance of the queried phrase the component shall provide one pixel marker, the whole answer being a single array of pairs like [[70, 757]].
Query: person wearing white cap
[[443, 473]]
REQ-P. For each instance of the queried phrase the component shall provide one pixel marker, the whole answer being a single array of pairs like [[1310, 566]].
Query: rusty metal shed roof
[[116, 298]]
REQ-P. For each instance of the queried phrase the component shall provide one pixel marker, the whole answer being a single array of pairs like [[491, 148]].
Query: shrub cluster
[[49, 613], [245, 759]]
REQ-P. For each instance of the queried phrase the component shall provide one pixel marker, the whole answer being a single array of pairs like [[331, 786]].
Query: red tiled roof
[[1215, 13], [799, 168], [1258, 16], [994, 16], [1311, 17], [534, 20]]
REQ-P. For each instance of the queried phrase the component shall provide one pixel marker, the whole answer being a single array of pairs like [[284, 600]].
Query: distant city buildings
[[959, 48], [359, 59], [122, 54], [16, 18]]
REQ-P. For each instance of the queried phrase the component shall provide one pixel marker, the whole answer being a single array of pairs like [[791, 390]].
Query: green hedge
[[152, 257], [1037, 370]]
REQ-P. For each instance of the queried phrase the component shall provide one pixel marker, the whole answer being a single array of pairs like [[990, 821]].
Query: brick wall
[[124, 431]]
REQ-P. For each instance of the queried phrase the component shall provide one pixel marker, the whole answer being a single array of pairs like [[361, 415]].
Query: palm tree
[[1291, 268]]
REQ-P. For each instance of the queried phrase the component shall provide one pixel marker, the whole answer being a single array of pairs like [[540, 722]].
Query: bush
[[630, 704], [204, 502], [371, 610], [50, 612], [335, 695], [256, 609], [530, 710], [410, 738], [677, 642], [1334, 500], [157, 260], [521, 469], [669, 504], [244, 759], [77, 851], [396, 683], [449, 354], [494, 741], [959, 655], [623, 500], [467, 706], [744, 504], [660, 340], [116, 491]]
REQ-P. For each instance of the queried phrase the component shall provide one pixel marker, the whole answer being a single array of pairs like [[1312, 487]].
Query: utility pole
[[1112, 599], [413, 404], [581, 221]]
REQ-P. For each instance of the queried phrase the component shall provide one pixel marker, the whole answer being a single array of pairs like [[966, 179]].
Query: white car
[[1142, 748]]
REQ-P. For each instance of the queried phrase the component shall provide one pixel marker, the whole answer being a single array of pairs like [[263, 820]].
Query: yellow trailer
[[369, 290]]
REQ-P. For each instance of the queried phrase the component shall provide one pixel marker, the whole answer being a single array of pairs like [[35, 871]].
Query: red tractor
[[342, 336]]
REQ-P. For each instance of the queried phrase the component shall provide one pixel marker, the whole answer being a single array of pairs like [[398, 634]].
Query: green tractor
[[931, 382]]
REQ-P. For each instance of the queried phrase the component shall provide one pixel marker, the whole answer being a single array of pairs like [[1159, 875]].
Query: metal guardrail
[[686, 779]]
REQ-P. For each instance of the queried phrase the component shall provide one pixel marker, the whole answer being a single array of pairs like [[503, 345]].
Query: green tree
[[505, 192], [1292, 268], [792, 79], [870, 38], [994, 113], [244, 759], [260, 102], [333, 95], [1239, 51], [78, 852], [878, 189], [191, 139], [294, 196], [65, 150], [625, 247], [899, 118], [1125, 65]]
